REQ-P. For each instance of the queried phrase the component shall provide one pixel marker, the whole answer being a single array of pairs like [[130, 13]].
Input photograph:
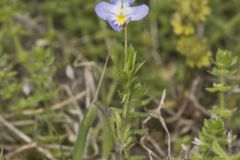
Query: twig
[[156, 113], [150, 152], [155, 145], [159, 115]]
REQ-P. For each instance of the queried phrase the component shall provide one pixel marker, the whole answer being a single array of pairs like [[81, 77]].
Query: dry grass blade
[[23, 137], [56, 106], [20, 150]]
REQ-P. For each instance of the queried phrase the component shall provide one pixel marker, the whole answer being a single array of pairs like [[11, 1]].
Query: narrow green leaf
[[223, 112], [235, 157], [139, 66], [107, 139], [218, 150], [83, 131]]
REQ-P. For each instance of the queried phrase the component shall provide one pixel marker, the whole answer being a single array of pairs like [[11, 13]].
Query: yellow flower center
[[121, 19]]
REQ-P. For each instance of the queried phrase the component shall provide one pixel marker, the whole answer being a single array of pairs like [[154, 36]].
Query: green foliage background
[[39, 39]]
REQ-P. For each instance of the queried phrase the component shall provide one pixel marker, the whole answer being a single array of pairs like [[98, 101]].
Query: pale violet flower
[[119, 13]]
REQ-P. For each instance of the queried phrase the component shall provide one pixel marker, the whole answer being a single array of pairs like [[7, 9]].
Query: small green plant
[[131, 93], [118, 128], [120, 124], [213, 138], [223, 69]]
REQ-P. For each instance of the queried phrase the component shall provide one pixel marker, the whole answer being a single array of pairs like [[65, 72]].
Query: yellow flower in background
[[200, 10], [196, 50], [181, 28], [188, 14]]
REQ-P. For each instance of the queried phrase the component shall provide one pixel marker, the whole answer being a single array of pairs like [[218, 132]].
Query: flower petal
[[104, 10], [114, 1], [130, 1], [114, 24], [137, 13]]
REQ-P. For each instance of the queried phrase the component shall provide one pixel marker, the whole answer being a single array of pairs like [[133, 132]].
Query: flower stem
[[126, 98], [119, 149], [125, 41]]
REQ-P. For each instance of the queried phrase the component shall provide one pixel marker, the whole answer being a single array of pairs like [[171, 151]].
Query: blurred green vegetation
[[214, 136], [39, 39]]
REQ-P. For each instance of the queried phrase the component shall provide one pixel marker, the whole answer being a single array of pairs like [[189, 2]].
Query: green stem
[[126, 99], [125, 41], [119, 151], [221, 94]]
